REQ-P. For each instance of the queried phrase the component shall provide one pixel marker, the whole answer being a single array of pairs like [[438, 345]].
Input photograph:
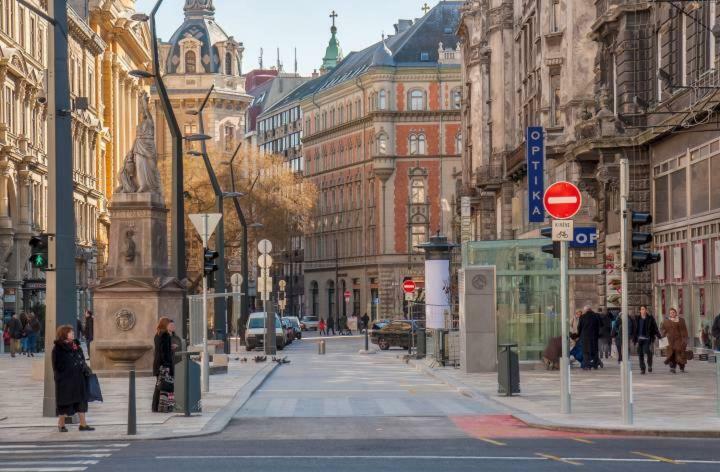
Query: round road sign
[[409, 286], [562, 200], [236, 280], [265, 261], [265, 246], [347, 296]]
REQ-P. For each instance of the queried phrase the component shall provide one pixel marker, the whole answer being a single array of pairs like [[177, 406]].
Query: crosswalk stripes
[[56, 457]]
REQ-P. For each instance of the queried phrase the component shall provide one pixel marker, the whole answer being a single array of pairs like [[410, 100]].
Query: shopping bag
[[664, 343], [94, 393]]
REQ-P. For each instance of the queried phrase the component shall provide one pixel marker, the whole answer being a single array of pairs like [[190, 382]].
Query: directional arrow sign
[[562, 200], [205, 224]]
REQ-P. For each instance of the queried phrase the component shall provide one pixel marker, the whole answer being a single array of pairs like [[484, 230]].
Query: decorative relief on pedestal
[[130, 249], [124, 320]]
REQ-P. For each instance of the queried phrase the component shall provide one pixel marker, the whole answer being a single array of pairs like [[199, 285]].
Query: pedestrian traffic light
[[210, 266], [553, 248], [39, 252], [640, 258]]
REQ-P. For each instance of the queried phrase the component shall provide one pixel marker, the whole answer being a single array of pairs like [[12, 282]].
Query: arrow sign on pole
[[205, 224]]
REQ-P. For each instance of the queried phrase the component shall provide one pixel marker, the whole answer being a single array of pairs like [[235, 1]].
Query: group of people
[[592, 335], [22, 332], [325, 327]]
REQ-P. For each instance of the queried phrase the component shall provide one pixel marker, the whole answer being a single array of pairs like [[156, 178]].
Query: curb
[[533, 421]]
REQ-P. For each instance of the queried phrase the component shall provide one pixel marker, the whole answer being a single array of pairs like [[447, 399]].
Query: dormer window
[[424, 56], [228, 64], [190, 62]]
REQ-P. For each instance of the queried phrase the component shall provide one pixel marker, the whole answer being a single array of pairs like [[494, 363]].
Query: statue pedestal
[[136, 291]]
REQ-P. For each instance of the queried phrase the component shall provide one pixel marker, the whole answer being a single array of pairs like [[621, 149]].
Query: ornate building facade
[[382, 145]]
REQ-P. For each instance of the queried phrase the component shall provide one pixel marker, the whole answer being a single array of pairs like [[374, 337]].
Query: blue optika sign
[[584, 237], [535, 173]]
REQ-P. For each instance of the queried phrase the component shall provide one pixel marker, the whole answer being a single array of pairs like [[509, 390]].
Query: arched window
[[228, 64], [417, 144], [229, 138], [456, 99], [331, 298], [314, 298], [458, 143], [417, 192], [190, 62], [382, 144], [417, 100], [350, 115], [382, 100]]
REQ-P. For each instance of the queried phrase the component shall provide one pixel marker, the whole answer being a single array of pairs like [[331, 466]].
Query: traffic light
[[210, 266], [553, 248], [39, 252], [640, 258]]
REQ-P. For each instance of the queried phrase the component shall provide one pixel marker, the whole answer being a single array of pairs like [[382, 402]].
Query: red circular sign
[[347, 294], [409, 286], [562, 200]]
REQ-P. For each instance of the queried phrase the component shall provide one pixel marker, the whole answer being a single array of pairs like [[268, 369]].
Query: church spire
[[199, 8], [333, 53]]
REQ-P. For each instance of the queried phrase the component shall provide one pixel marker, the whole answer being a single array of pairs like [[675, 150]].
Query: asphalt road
[[346, 412]]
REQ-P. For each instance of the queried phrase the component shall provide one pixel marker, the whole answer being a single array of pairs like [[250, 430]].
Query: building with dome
[[201, 54]]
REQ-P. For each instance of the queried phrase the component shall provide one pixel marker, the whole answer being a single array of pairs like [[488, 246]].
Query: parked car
[[309, 323], [289, 331], [295, 323], [255, 332], [394, 333]]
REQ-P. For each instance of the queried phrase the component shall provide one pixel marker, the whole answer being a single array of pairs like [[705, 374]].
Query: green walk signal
[[39, 252]]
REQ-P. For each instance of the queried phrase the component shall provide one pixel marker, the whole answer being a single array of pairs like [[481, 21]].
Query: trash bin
[[420, 343], [508, 370]]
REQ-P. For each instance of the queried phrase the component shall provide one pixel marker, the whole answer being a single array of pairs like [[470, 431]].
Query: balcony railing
[[489, 174]]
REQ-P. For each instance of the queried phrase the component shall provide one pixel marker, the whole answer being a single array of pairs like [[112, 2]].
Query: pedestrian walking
[[32, 331], [366, 321], [677, 335], [23, 339], [616, 333], [163, 369], [71, 373], [331, 325], [89, 330], [343, 325], [644, 333], [15, 330], [715, 331], [322, 327], [589, 333], [605, 343]]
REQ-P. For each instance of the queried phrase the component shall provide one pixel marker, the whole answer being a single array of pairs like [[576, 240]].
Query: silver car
[[308, 323]]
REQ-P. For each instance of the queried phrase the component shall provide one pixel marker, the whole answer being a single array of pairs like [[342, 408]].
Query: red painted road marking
[[507, 426]]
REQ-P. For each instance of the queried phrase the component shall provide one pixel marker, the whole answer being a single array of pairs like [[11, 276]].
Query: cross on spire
[[426, 8], [333, 15]]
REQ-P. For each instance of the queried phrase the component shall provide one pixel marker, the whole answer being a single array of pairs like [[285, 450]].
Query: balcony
[[489, 175]]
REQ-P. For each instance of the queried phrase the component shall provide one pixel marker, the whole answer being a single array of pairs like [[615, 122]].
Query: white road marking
[[37, 451], [561, 200], [42, 469], [53, 462]]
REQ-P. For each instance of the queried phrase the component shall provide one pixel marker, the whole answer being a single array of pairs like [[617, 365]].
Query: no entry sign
[[562, 200], [409, 286]]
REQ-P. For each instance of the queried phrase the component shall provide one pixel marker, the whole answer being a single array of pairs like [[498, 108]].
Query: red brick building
[[382, 144]]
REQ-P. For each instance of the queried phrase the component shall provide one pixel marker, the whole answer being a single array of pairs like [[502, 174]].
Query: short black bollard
[[367, 343], [132, 415]]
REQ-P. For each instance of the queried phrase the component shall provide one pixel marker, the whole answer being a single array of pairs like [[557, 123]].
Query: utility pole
[[61, 300], [625, 369]]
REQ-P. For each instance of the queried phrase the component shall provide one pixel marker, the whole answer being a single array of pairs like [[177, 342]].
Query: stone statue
[[130, 250], [140, 173]]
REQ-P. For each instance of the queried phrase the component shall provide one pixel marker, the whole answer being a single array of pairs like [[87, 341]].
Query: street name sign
[[563, 200]]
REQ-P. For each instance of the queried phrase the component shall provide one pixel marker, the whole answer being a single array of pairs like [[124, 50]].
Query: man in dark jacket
[[715, 331], [366, 321], [605, 338], [616, 333], [15, 329], [589, 333], [643, 334], [89, 331], [331, 324]]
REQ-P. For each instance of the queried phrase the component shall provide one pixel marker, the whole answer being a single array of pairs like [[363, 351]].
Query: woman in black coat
[[163, 365], [70, 371]]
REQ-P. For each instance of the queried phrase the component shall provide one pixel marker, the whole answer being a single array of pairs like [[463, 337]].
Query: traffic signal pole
[[61, 293], [625, 250]]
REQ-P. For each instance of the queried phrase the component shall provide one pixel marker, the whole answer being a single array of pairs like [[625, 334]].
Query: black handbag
[[92, 388]]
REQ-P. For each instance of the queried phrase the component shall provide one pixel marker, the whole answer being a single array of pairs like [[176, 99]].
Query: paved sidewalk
[[664, 404], [21, 405]]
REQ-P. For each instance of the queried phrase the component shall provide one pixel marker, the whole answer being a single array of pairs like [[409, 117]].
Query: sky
[[289, 24]]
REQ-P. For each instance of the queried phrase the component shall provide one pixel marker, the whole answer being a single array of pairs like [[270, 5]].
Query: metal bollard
[[321, 347], [132, 416], [717, 377], [367, 343]]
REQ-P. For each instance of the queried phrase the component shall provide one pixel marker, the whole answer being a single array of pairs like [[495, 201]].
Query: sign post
[[625, 370], [205, 225], [236, 281], [562, 201], [265, 288]]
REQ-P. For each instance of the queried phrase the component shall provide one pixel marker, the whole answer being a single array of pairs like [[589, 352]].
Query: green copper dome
[[333, 53]]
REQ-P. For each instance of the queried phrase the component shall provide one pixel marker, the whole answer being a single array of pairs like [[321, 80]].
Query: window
[[228, 64], [417, 144], [382, 144], [678, 197], [555, 16], [458, 143], [417, 192], [555, 117], [417, 100], [191, 128], [229, 138], [418, 234], [190, 62], [382, 100], [456, 99]]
